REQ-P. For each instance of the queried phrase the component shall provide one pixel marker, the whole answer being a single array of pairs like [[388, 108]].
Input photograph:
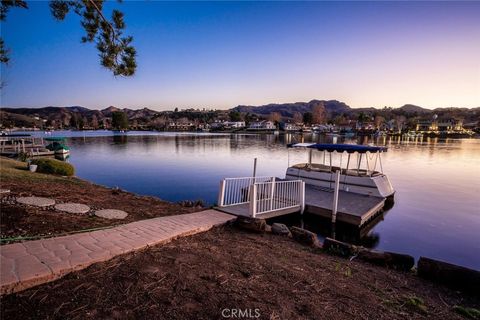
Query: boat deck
[[353, 208]]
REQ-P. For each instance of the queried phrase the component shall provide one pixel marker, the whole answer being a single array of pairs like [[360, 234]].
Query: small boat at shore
[[364, 180], [57, 145]]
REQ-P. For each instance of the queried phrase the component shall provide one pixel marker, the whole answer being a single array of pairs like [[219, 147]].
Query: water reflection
[[120, 139]]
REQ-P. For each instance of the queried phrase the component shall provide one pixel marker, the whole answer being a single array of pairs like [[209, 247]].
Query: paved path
[[27, 264]]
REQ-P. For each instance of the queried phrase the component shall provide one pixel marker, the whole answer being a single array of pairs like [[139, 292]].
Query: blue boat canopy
[[350, 148]]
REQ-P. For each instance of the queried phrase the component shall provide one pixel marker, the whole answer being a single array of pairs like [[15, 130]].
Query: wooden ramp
[[353, 208], [244, 210]]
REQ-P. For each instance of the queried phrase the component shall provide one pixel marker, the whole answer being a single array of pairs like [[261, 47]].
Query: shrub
[[53, 166]]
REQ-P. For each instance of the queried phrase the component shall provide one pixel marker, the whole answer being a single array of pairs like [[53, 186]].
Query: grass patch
[[53, 166], [346, 271], [13, 170], [470, 313], [416, 304]]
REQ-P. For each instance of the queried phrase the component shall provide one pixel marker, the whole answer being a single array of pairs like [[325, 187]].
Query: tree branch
[[114, 36]]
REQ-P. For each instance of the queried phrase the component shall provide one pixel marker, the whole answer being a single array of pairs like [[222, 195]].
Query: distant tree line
[[145, 119]]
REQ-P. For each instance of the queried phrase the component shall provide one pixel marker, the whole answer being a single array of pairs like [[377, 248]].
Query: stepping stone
[[72, 207], [111, 214], [36, 201]]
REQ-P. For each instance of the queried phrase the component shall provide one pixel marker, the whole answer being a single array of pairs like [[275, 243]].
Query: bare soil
[[198, 277], [19, 220]]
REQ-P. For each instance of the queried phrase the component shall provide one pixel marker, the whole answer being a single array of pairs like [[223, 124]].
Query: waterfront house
[[450, 125], [217, 125], [262, 125], [234, 124], [426, 125], [443, 125], [348, 125], [290, 127], [365, 125], [181, 126]]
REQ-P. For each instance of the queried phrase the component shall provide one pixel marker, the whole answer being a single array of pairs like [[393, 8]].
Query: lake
[[437, 181]]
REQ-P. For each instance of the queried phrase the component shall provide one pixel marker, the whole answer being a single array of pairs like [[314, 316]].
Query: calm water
[[437, 182]]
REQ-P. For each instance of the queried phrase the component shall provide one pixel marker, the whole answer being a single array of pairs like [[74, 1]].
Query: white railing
[[277, 195], [234, 191], [262, 194]]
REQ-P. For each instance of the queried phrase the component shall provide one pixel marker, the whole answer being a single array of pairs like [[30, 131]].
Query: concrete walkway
[[27, 264]]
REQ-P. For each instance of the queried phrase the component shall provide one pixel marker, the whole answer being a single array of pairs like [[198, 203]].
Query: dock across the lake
[[15, 144], [272, 197]]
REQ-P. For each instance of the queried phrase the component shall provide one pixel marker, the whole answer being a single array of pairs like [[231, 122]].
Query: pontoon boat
[[354, 177]]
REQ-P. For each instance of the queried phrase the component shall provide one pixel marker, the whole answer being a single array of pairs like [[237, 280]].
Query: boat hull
[[62, 151], [377, 185]]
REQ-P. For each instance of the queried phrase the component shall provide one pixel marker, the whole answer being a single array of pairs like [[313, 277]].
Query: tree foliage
[[319, 114], [235, 116], [115, 50], [307, 118], [119, 120], [297, 117], [275, 117]]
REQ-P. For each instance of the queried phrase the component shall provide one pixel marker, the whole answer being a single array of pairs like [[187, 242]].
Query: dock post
[[302, 197], [221, 194], [253, 200], [335, 196], [272, 193]]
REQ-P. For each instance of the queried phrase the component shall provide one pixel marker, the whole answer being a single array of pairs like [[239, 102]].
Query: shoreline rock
[[398, 261], [281, 230], [451, 275], [251, 224], [305, 237]]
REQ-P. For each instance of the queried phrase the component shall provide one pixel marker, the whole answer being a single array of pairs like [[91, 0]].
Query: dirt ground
[[209, 275], [18, 220]]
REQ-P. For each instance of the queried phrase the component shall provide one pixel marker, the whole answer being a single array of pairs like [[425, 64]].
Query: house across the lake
[[290, 127], [181, 126], [442, 125], [234, 124], [262, 125]]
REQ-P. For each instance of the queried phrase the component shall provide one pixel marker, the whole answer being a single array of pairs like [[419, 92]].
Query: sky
[[219, 55]]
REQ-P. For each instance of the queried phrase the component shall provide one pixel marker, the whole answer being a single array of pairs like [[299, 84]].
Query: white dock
[[268, 197], [353, 208]]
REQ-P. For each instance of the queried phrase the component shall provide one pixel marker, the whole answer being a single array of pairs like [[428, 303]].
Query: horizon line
[[162, 109]]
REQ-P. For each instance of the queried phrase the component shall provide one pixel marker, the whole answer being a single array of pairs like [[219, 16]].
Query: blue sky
[[221, 54]]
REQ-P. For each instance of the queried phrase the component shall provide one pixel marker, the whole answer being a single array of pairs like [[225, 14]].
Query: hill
[[333, 108]]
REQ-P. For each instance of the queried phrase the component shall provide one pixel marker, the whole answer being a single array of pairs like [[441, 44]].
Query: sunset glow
[[219, 55]]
